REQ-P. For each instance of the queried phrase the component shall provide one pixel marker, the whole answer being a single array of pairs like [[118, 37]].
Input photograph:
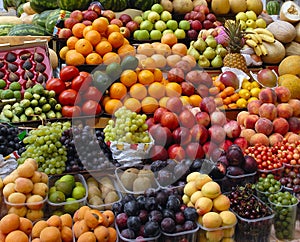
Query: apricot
[[37, 177], [79, 228], [203, 205], [35, 202], [203, 179], [50, 234], [25, 225], [102, 233], [66, 220], [112, 234], [228, 218], [45, 178], [259, 138], [8, 189], [216, 235], [193, 176], [16, 235], [227, 239], [81, 212], [32, 162], [195, 196], [40, 188], [229, 232], [9, 222], [2, 236], [66, 234], [16, 198], [26, 170], [10, 178], [55, 221], [110, 216], [212, 220], [36, 240], [211, 189], [34, 215], [20, 211], [37, 228], [87, 237], [190, 188], [221, 203], [93, 218]]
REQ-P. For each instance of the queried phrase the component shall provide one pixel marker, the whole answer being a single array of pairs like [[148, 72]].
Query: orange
[[133, 104], [112, 234], [126, 41], [63, 51], [169, 39], [116, 39], [163, 102], [105, 99], [93, 59], [101, 233], [185, 100], [66, 234], [77, 30], [173, 89], [195, 100], [112, 28], [149, 105], [179, 49], [73, 58], [126, 49], [138, 91], [146, 77], [87, 29], [158, 75], [9, 223], [111, 57], [93, 37], [100, 24], [117, 90], [103, 47], [112, 105], [71, 42], [128, 78], [25, 225], [156, 90], [84, 47]]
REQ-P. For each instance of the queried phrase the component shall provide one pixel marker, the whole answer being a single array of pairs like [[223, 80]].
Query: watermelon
[[5, 28], [71, 5], [40, 5], [116, 5], [27, 29], [143, 5], [273, 7], [52, 19], [20, 9], [40, 19]]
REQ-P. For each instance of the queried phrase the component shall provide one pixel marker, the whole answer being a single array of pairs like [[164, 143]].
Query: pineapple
[[234, 58]]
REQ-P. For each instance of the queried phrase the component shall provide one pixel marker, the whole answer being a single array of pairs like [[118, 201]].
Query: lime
[[57, 197], [241, 103], [68, 177], [15, 86], [71, 205], [78, 184], [2, 83], [51, 190], [78, 192], [65, 186]]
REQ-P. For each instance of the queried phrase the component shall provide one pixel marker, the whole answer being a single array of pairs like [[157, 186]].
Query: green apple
[[136, 33], [153, 17], [241, 16], [184, 24], [260, 23], [145, 14], [172, 24], [71, 205], [78, 184], [167, 31], [160, 25], [165, 15], [146, 25], [180, 33], [251, 23], [155, 34], [157, 8], [143, 35], [78, 192], [138, 19], [251, 15]]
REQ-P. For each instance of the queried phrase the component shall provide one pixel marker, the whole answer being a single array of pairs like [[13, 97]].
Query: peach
[[268, 110], [203, 179], [250, 121], [284, 110], [212, 220], [211, 189], [241, 117], [229, 232], [247, 134], [283, 94], [253, 106], [195, 196], [221, 203], [281, 126], [23, 185], [215, 235], [264, 125], [294, 124], [293, 138], [295, 104], [275, 138], [267, 95], [203, 205], [193, 176], [259, 138], [228, 218]]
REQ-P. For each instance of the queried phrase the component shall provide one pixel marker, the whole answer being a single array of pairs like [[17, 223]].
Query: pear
[[203, 61], [200, 45], [211, 41], [209, 53], [220, 50], [217, 61], [193, 52]]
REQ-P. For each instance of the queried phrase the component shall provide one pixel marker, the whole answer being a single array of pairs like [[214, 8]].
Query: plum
[[121, 220], [161, 197], [131, 208], [168, 213], [143, 215], [168, 225], [218, 171], [235, 155], [235, 171], [150, 203], [156, 216], [189, 225], [196, 165], [141, 201], [128, 234], [134, 223], [190, 213], [151, 229], [250, 164], [179, 217], [173, 203]]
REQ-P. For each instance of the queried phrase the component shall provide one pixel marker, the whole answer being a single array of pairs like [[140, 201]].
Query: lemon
[[255, 84], [246, 85], [255, 91], [241, 103], [252, 99], [244, 93]]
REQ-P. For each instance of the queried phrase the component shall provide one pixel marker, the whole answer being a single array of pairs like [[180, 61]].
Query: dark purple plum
[[235, 155], [235, 171], [121, 220], [190, 213], [143, 215], [181, 170], [150, 203], [179, 217], [131, 208], [141, 232], [165, 177], [196, 165], [250, 164], [179, 228], [223, 160], [150, 192], [127, 198], [168, 225], [189, 225], [167, 213], [117, 207], [128, 234], [161, 197], [156, 216], [141, 201], [151, 229], [218, 171], [134, 223]]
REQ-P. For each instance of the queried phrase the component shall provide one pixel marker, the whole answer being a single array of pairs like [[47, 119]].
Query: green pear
[[200, 45], [217, 61], [203, 61], [220, 50], [209, 53], [193, 52], [211, 41]]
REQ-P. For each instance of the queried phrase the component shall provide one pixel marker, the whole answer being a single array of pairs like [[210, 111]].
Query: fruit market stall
[[150, 120]]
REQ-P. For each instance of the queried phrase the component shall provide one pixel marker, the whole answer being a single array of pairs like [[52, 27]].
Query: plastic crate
[[216, 234], [190, 236]]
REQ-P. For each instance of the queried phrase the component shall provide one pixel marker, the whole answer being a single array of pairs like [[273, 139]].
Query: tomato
[[92, 93], [69, 97], [81, 82], [71, 111], [91, 107], [56, 85], [67, 73]]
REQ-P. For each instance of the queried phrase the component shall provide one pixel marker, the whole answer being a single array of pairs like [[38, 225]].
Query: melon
[[276, 52], [255, 5], [297, 38], [53, 58], [182, 6], [237, 6], [292, 48], [283, 31], [290, 65], [292, 82], [220, 7], [290, 12]]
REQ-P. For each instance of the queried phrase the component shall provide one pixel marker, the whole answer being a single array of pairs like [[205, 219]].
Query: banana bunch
[[255, 40]]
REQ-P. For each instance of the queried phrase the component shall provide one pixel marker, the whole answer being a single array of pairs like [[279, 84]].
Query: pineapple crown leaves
[[235, 34]]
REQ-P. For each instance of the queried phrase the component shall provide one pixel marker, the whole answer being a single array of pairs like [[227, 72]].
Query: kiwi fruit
[[128, 177], [147, 173]]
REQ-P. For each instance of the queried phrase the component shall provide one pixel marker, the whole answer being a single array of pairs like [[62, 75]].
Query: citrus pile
[[95, 44]]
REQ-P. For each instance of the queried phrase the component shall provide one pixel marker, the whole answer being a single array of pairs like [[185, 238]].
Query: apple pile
[[158, 21], [271, 118], [200, 18], [249, 20]]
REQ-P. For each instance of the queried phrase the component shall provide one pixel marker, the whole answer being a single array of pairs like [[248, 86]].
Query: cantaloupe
[[292, 82], [290, 12], [255, 5], [237, 6], [297, 38], [53, 58], [220, 7], [292, 48], [290, 65], [276, 52], [283, 31]]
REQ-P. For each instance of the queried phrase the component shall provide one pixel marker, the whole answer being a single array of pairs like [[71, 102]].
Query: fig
[[11, 57], [40, 67], [250, 164], [2, 74], [28, 75], [235, 171], [12, 77], [12, 67], [2, 63], [41, 78], [29, 84], [27, 65], [235, 155], [25, 56], [38, 57]]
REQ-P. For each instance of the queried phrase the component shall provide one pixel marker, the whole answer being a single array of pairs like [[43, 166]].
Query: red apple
[[176, 152], [182, 136], [175, 75], [229, 79], [226, 144], [161, 135], [96, 8], [87, 22], [116, 21], [203, 118], [232, 129], [169, 120], [158, 114], [187, 118], [187, 88], [217, 134], [150, 122], [187, 16], [174, 104], [241, 142], [196, 25], [218, 117], [204, 9], [199, 16], [125, 32], [194, 151], [158, 152], [70, 22], [125, 18], [192, 34], [192, 15], [77, 14], [211, 17], [203, 90], [199, 133], [208, 105], [132, 26], [65, 33], [109, 14], [90, 15], [207, 24]]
